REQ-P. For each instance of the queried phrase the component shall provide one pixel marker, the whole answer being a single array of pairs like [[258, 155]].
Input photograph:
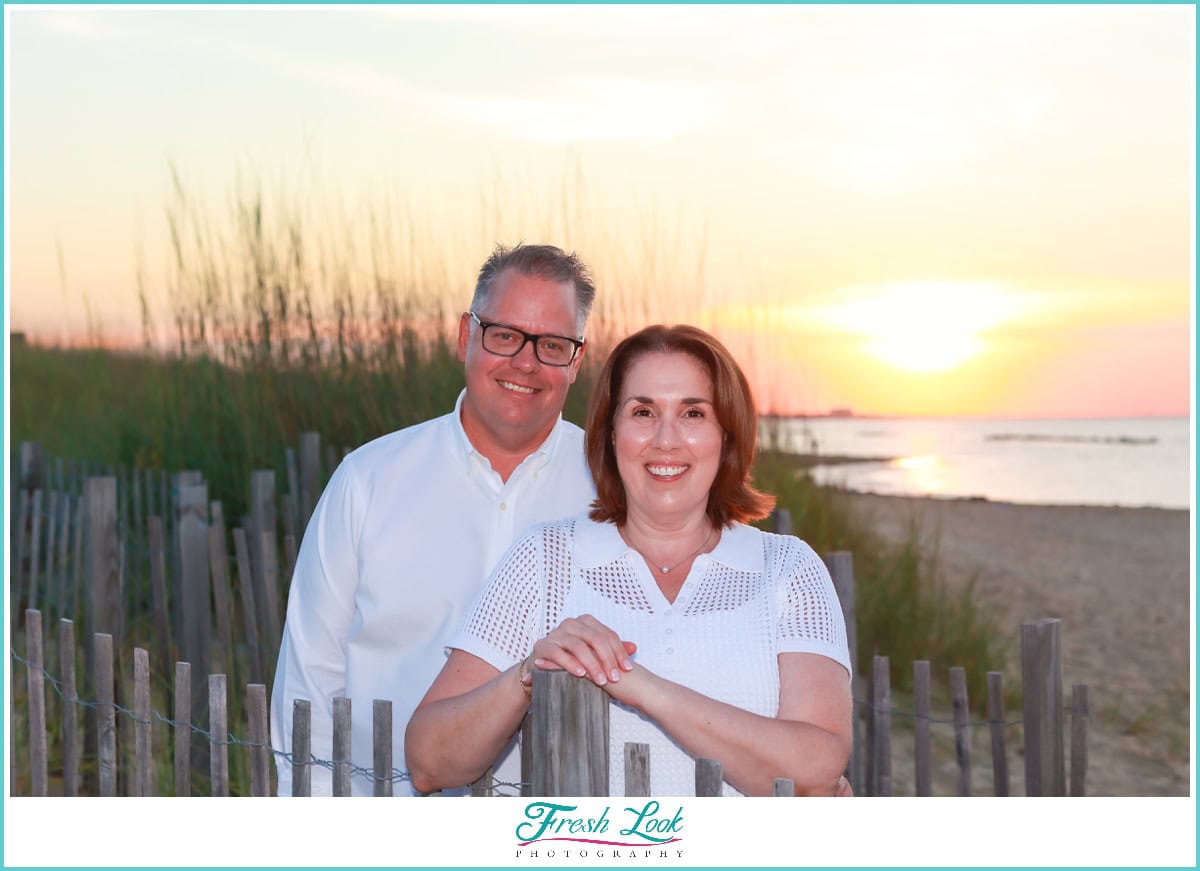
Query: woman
[[712, 638]]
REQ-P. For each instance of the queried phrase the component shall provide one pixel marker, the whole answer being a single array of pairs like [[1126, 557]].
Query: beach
[[1118, 578]]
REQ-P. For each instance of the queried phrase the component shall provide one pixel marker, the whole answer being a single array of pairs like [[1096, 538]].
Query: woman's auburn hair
[[732, 498]]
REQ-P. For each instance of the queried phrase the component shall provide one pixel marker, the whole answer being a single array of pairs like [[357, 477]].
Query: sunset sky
[[980, 210]]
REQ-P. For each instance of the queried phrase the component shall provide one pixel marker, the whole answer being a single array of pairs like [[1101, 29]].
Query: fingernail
[[601, 680], [627, 665], [580, 672], [615, 675]]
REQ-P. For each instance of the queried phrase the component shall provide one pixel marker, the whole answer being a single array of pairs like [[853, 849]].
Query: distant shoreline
[[807, 461]]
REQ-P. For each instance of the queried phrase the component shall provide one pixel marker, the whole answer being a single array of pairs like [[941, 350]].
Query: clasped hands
[[585, 647]]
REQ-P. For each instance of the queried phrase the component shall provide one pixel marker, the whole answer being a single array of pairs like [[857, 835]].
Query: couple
[[712, 639]]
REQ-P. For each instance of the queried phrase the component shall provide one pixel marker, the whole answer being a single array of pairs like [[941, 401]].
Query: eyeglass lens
[[508, 342]]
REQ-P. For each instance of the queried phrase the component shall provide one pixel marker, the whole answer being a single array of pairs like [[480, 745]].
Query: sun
[[922, 326]]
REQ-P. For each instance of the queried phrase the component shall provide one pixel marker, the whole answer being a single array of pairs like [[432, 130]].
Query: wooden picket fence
[[142, 553], [145, 553], [564, 749]]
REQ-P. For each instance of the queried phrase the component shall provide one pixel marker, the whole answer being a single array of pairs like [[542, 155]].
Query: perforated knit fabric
[[756, 595]]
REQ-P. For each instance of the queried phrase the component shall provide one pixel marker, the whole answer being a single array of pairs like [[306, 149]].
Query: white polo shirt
[[406, 532]]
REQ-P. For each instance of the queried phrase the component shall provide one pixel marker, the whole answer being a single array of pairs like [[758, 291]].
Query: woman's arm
[[808, 741], [461, 726]]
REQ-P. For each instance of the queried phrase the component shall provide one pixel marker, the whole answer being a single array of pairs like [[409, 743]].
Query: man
[[412, 523]]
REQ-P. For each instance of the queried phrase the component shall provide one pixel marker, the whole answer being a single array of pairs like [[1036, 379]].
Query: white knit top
[[756, 595]]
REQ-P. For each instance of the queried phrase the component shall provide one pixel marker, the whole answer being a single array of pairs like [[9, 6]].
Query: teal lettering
[[541, 816], [647, 824]]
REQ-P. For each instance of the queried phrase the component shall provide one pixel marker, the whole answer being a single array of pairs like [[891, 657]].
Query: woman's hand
[[585, 647]]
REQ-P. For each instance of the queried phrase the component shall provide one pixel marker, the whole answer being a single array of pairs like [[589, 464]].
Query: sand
[[1118, 578]]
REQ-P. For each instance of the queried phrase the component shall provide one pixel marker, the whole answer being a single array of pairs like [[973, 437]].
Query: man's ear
[[577, 362], [464, 336]]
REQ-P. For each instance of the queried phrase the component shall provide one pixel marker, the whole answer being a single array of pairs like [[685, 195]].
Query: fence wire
[[397, 775]]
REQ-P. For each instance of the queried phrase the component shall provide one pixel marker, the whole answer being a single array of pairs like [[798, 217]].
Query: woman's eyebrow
[[687, 400]]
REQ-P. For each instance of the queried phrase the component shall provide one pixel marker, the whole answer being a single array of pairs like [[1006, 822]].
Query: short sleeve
[[810, 616], [503, 622]]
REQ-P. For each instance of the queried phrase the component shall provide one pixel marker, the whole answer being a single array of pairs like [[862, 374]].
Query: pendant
[[666, 569]]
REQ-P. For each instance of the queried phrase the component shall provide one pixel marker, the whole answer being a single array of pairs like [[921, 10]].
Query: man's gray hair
[[539, 261]]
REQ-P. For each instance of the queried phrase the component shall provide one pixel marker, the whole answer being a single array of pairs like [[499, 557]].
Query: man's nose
[[525, 359]]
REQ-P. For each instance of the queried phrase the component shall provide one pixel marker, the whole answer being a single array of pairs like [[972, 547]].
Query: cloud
[[594, 109]]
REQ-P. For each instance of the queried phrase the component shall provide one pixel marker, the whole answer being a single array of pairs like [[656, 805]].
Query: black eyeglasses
[[506, 341]]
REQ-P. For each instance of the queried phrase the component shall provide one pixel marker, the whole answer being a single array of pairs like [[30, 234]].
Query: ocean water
[[1113, 461]]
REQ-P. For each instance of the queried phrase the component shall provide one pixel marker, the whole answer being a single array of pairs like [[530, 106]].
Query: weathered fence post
[[47, 603], [995, 685], [35, 547], [1041, 678], [301, 761], [218, 564], [341, 746], [710, 777], [841, 570], [17, 534], [260, 536], [196, 612], [70, 714], [310, 475], [183, 728], [158, 588], [921, 756], [568, 736], [179, 481], [241, 552], [291, 500], [144, 769], [381, 734], [483, 785], [218, 730], [962, 728], [260, 747], [106, 714], [31, 472], [637, 769], [1080, 714], [272, 630], [36, 676], [100, 546], [881, 717]]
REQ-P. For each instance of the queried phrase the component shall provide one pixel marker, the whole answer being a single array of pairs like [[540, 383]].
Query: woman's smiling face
[[666, 437]]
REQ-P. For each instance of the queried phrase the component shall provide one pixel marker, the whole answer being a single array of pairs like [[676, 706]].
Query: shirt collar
[[597, 544], [542, 455]]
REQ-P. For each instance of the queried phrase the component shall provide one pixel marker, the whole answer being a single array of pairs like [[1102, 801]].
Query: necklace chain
[[666, 570]]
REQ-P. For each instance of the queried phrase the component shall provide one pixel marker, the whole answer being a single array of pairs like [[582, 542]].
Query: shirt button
[[503, 506], [667, 612], [669, 631], [670, 650]]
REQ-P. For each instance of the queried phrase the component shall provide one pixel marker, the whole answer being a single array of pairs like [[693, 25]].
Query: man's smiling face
[[512, 402]]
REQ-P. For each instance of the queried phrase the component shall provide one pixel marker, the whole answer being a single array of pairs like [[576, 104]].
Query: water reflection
[[922, 474]]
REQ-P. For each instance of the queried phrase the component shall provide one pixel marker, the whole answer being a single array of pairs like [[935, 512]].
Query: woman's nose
[[666, 434]]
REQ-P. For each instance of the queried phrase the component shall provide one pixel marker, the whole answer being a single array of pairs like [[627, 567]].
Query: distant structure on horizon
[[841, 412]]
